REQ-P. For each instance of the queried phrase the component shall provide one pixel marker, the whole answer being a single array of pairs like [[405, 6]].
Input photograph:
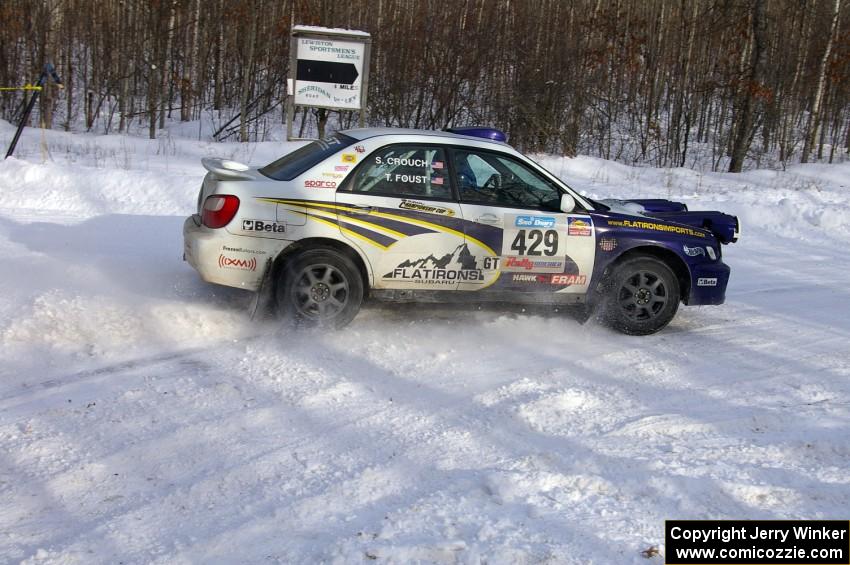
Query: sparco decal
[[233, 263], [457, 266], [569, 279], [312, 183], [422, 207], [263, 226]]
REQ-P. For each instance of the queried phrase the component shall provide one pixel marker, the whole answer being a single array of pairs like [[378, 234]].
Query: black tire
[[641, 296], [319, 288]]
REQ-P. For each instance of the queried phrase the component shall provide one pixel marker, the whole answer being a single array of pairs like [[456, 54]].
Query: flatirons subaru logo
[[535, 222]]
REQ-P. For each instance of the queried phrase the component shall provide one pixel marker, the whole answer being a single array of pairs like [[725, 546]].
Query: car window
[[293, 164], [489, 178], [403, 170]]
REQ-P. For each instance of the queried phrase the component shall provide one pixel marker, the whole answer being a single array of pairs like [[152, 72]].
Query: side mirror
[[568, 203]]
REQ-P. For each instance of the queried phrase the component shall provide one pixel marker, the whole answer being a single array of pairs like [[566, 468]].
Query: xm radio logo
[[233, 263]]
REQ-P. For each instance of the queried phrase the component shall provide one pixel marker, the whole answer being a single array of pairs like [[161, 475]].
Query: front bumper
[[223, 258]]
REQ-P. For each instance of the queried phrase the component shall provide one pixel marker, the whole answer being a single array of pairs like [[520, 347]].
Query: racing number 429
[[528, 242]]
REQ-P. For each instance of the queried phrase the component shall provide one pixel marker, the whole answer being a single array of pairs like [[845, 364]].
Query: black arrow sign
[[326, 71]]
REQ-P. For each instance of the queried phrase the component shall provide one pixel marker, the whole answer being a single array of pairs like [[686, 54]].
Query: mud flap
[[262, 305]]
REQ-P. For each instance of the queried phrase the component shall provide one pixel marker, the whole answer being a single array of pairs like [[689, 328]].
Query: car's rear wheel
[[320, 287], [641, 296]]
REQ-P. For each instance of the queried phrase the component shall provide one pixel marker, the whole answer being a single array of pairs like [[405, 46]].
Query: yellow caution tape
[[25, 87]]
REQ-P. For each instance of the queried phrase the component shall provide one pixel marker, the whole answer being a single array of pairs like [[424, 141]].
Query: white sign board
[[329, 73]]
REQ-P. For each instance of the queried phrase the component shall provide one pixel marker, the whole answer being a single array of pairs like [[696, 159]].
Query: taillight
[[219, 209]]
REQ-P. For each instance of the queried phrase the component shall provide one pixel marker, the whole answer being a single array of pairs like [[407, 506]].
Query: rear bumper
[[223, 258], [708, 284]]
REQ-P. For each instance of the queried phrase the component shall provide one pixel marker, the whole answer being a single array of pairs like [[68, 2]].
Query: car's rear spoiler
[[224, 169]]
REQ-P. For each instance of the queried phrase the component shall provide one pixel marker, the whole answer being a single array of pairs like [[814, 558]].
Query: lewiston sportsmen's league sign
[[330, 67]]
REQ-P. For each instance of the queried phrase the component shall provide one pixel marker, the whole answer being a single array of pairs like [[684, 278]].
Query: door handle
[[488, 219], [358, 209]]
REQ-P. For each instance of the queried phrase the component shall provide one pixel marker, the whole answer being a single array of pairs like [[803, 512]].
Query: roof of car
[[365, 133]]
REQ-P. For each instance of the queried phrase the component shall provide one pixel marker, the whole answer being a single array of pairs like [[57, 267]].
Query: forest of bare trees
[[733, 83]]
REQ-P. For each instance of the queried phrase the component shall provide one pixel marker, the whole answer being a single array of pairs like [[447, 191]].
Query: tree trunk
[[814, 117], [754, 87]]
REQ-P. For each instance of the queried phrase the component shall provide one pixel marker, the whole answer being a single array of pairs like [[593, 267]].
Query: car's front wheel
[[320, 287], [641, 296]]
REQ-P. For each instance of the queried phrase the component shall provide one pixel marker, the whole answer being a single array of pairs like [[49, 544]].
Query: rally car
[[446, 216]]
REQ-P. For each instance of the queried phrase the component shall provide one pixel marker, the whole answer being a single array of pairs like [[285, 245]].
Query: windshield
[[293, 164]]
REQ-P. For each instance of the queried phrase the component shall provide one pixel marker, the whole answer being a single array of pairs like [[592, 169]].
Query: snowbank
[[144, 418]]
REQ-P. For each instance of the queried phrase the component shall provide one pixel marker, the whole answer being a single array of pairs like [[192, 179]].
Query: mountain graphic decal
[[459, 259]]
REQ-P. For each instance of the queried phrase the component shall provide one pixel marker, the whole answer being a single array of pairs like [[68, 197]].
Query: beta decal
[[349, 158], [422, 207], [341, 168], [707, 281], [569, 280], [579, 226], [641, 225], [313, 183], [226, 262], [263, 226], [457, 266], [534, 222]]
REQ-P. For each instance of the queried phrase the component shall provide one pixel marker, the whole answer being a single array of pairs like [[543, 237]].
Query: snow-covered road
[[145, 418]]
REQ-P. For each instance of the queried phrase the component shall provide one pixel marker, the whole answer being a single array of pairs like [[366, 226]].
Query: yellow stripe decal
[[344, 230], [405, 219]]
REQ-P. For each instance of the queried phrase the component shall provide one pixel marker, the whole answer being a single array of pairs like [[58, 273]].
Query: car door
[[398, 207], [514, 209]]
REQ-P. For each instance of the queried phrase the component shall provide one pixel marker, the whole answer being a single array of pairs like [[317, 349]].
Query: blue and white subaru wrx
[[407, 215]]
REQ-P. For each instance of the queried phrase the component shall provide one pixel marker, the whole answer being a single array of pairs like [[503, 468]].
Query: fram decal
[[233, 263], [707, 281], [313, 183], [569, 279], [579, 226], [349, 158], [535, 222]]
